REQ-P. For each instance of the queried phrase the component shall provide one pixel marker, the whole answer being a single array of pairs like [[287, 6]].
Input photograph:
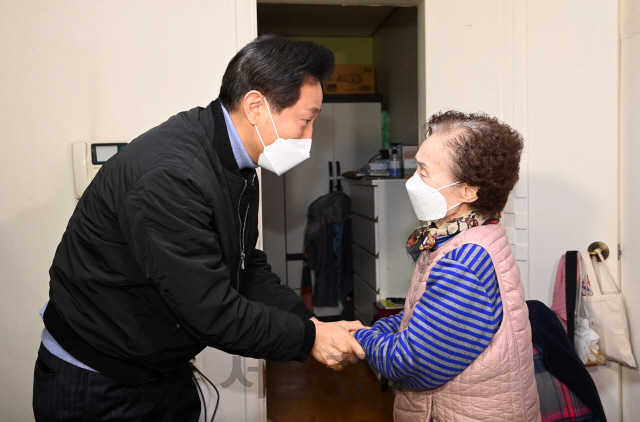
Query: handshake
[[335, 345]]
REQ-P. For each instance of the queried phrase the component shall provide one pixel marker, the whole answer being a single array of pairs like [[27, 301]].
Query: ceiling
[[321, 20]]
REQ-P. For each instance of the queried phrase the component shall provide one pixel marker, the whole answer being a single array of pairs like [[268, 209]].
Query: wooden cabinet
[[383, 219]]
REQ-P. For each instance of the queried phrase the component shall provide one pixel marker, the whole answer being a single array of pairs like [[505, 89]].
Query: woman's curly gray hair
[[485, 153]]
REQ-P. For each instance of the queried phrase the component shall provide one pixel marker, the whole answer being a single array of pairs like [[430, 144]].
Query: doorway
[[346, 135]]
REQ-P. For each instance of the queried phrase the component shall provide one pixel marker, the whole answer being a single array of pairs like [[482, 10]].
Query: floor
[[310, 392]]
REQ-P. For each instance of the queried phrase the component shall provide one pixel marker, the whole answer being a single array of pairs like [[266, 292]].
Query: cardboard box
[[409, 152], [409, 165], [351, 79]]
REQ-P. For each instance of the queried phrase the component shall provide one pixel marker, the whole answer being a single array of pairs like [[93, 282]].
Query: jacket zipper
[[242, 227], [242, 255]]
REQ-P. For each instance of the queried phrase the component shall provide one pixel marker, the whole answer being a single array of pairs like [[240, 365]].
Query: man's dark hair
[[276, 67], [484, 153]]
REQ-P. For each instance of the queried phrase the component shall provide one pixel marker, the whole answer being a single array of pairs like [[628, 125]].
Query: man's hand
[[335, 346], [352, 326]]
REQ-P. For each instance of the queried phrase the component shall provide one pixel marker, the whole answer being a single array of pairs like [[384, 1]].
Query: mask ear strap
[[444, 187], [447, 187], [256, 126], [454, 206], [272, 122]]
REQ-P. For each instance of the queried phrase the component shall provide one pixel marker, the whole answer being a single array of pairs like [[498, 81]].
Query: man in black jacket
[[158, 260]]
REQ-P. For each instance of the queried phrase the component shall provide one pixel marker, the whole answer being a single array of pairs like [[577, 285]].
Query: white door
[[550, 69]]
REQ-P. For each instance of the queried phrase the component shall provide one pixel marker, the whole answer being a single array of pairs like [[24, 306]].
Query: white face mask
[[428, 202], [283, 154]]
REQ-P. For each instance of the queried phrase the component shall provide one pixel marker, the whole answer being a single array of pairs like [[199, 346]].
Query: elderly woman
[[461, 349]]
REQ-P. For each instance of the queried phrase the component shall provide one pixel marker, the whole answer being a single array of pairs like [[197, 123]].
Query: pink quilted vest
[[500, 384]]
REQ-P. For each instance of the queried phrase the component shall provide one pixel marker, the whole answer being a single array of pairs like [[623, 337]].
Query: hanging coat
[[327, 244]]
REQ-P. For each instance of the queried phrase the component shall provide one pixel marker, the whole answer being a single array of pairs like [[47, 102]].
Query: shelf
[[352, 98]]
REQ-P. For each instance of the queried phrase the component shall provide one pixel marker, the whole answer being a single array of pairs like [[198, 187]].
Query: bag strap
[[608, 271], [570, 282], [583, 277]]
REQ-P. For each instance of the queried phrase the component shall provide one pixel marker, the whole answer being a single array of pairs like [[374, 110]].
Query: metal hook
[[595, 246]]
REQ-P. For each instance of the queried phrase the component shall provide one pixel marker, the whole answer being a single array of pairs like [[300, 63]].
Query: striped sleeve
[[452, 324], [390, 324]]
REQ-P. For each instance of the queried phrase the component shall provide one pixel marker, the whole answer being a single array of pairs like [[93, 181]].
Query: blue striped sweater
[[451, 325]]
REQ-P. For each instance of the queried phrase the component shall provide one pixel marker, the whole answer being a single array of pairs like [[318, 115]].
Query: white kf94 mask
[[428, 203], [283, 154]]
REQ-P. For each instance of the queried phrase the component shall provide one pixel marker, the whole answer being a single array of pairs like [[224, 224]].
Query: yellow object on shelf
[[388, 304], [351, 79]]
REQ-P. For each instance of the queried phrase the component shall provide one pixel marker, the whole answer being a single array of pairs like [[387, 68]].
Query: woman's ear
[[252, 105], [469, 193]]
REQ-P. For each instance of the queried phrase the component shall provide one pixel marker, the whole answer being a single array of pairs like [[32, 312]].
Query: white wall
[[572, 129], [572, 67], [630, 193], [550, 69], [475, 58], [74, 70]]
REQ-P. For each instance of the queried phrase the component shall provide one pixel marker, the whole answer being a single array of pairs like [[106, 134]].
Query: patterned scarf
[[424, 237]]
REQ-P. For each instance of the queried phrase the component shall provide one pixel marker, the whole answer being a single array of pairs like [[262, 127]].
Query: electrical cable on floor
[[215, 410], [200, 393]]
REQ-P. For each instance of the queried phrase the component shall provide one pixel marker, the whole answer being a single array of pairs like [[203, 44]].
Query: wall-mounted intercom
[[88, 157]]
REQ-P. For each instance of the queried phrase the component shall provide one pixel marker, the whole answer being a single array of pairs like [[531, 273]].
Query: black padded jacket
[[158, 259]]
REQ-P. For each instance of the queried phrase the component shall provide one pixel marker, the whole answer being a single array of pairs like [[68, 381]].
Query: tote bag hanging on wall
[[608, 309], [585, 339]]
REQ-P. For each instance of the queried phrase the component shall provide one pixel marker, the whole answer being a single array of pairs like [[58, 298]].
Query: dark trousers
[[64, 392]]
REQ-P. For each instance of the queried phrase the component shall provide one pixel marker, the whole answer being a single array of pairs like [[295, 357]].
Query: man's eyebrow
[[316, 110], [422, 164]]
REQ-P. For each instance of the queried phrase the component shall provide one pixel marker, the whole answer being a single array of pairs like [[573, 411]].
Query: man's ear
[[469, 193], [252, 104]]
